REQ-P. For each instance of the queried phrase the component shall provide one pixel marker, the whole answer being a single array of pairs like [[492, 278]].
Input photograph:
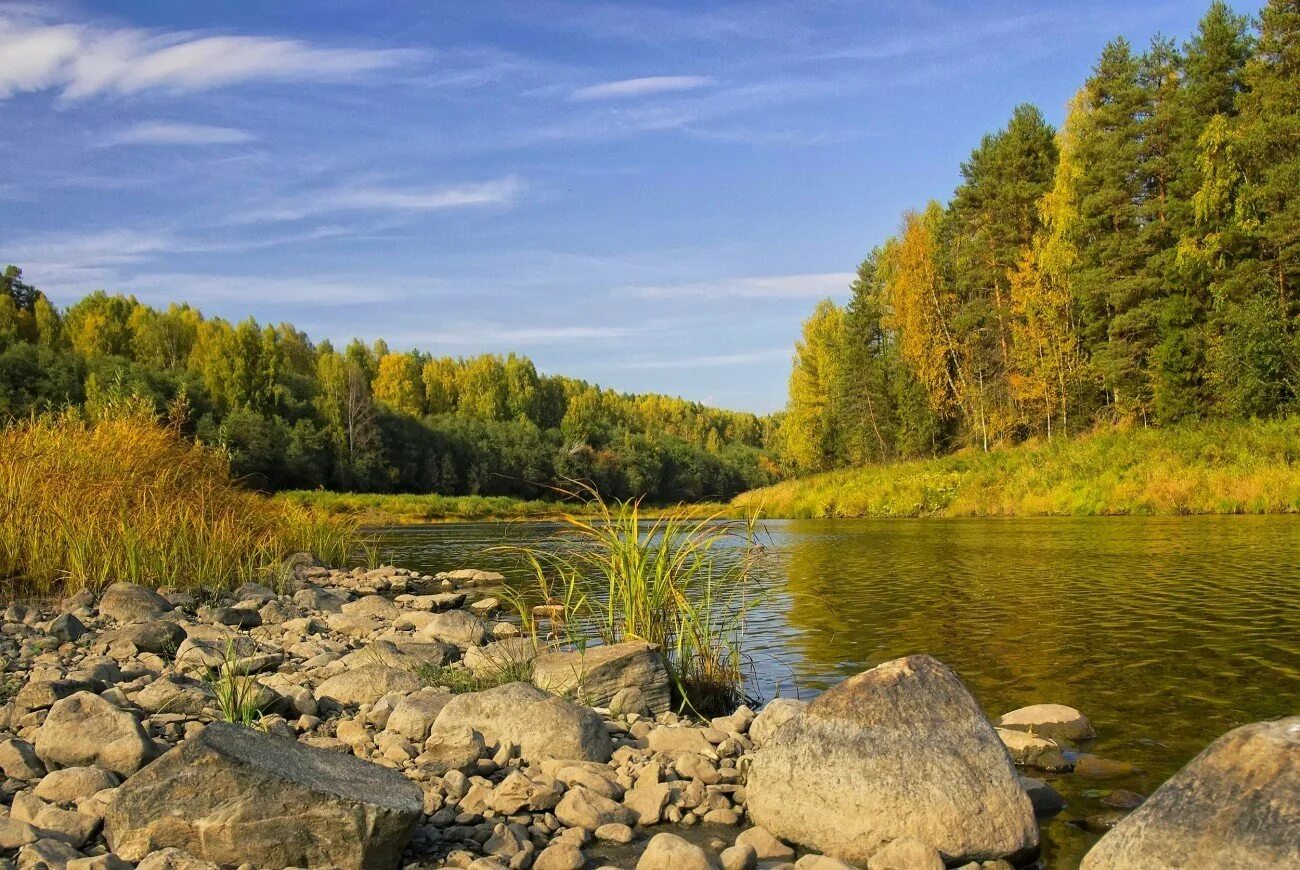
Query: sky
[[651, 196]]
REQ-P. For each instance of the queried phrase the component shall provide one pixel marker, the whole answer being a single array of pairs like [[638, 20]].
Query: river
[[1165, 631]]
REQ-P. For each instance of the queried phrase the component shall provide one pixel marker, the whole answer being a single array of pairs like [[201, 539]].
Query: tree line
[[1138, 266], [294, 413]]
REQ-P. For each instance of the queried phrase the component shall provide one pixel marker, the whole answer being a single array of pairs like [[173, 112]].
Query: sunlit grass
[[1204, 468], [85, 503], [682, 580]]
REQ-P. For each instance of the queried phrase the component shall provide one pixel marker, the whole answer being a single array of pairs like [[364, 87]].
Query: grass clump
[[85, 503], [1217, 467], [238, 694], [460, 680], [682, 580]]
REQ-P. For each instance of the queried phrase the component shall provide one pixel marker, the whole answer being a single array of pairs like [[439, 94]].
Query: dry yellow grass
[[87, 503]]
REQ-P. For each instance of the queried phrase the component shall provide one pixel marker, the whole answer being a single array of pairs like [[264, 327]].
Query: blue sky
[[648, 195]]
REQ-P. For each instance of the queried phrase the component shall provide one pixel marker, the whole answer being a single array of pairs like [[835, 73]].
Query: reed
[[89, 502], [683, 580]]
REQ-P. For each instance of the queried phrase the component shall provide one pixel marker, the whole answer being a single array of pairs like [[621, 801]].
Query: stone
[[1123, 799], [373, 606], [502, 656], [127, 602], [18, 760], [541, 725], [901, 750], [407, 655], [67, 825], [451, 749], [1045, 799], [72, 784], [1056, 721], [738, 857], [906, 853], [1095, 767], [367, 684], [583, 808], [777, 712], [414, 715], [766, 847], [98, 862], [670, 852], [456, 627], [85, 729], [672, 740], [233, 794], [615, 832], [209, 647], [647, 802], [1234, 806], [559, 856], [1030, 750], [66, 628], [174, 859], [15, 834], [47, 854], [158, 636], [821, 862], [176, 694], [595, 675]]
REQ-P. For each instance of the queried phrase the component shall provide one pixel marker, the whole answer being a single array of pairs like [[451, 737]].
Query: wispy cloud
[[358, 197], [706, 360], [82, 61], [640, 87], [489, 335], [808, 286], [173, 133]]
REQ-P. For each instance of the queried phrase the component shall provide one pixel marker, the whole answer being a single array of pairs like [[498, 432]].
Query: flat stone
[[541, 725], [595, 675], [233, 794], [1056, 721], [367, 684], [126, 602]]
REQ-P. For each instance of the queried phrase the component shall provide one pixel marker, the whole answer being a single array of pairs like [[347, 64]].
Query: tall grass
[[1203, 468], [682, 580], [85, 503]]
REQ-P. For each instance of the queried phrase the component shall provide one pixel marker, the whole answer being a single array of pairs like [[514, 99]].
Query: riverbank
[[1206, 468], [332, 694], [395, 509]]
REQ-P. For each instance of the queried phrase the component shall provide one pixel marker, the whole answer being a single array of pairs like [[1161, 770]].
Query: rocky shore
[[350, 749]]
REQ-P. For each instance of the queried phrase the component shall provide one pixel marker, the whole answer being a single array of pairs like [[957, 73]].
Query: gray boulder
[[85, 729], [414, 715], [233, 795], [511, 655], [597, 674], [127, 602], [541, 725], [1234, 806], [901, 750]]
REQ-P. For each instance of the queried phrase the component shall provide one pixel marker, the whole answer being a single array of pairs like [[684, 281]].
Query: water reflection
[[1165, 631]]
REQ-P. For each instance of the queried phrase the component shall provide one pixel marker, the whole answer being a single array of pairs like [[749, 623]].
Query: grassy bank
[[1218, 467], [84, 504], [377, 509]]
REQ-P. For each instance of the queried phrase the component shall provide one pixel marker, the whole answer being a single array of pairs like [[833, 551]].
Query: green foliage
[[1137, 268], [237, 693]]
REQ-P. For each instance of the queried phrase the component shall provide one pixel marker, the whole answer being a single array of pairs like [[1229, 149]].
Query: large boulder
[[777, 712], [541, 725], [1234, 806], [127, 602], [901, 750], [233, 795], [595, 675], [85, 729]]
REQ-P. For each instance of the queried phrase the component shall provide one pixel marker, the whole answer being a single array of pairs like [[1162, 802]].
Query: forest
[[293, 413], [1136, 267]]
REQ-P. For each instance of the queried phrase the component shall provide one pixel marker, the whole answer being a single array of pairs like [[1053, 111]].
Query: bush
[[124, 498]]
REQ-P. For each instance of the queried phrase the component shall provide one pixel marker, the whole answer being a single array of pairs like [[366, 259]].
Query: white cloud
[[707, 360], [501, 191], [808, 286], [83, 61], [641, 87], [499, 335], [171, 133]]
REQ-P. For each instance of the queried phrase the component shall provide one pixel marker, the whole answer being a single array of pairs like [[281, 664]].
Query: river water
[[1165, 631]]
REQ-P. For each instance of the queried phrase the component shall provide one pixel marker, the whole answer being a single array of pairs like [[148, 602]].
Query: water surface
[[1165, 631]]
